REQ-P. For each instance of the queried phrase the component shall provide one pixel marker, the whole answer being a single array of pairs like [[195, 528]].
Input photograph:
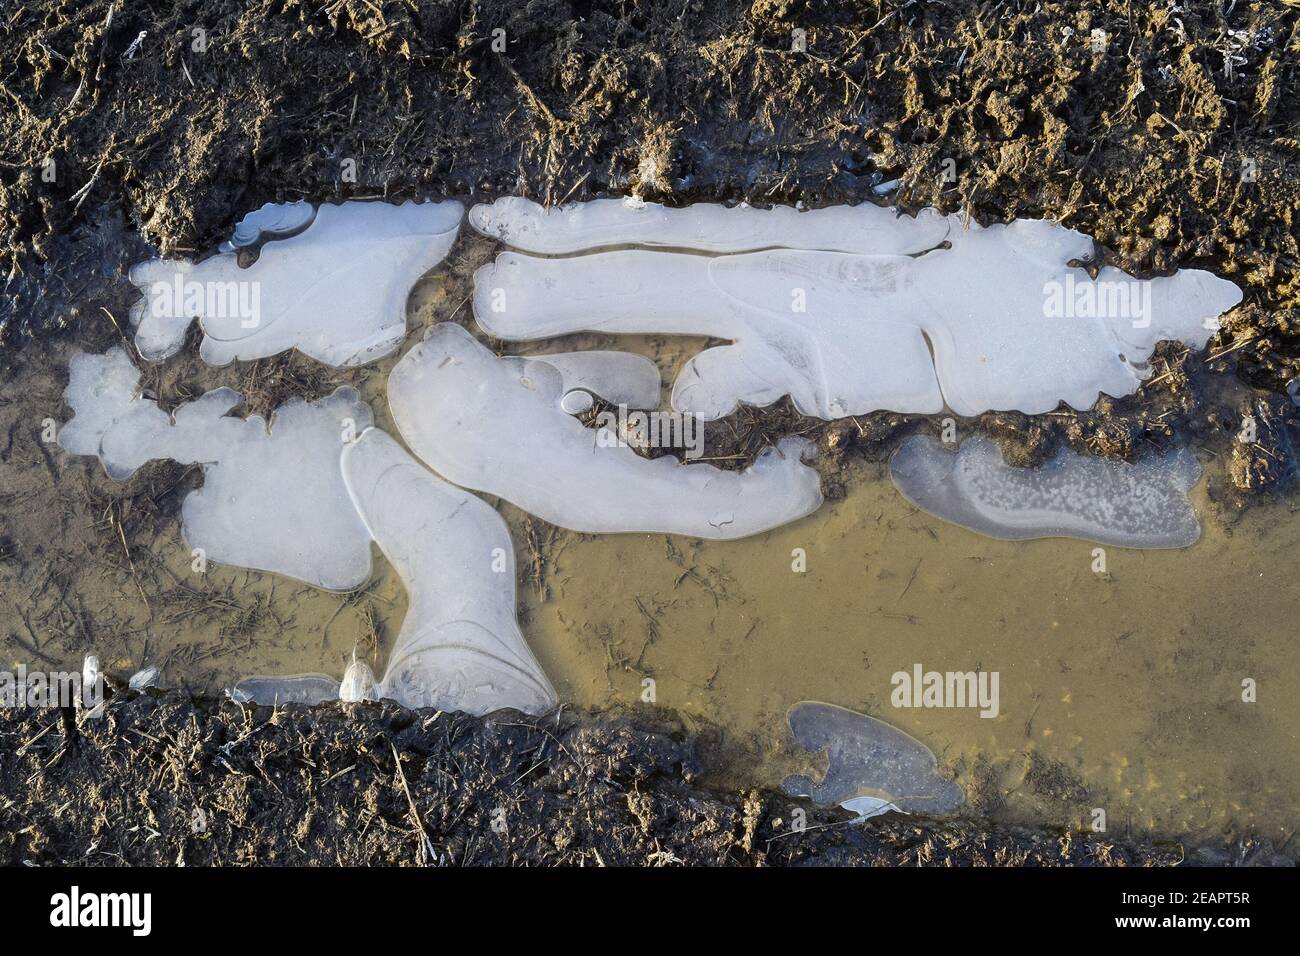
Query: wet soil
[[364, 785]]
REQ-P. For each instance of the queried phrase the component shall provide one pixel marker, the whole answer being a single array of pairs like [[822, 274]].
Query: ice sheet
[[459, 647], [620, 378], [867, 758], [997, 319], [580, 227], [273, 497], [337, 290], [1138, 505], [495, 425]]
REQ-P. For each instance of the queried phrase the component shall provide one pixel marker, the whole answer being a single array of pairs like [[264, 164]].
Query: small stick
[[21, 751], [134, 574], [1219, 355], [909, 581], [426, 846], [81, 194]]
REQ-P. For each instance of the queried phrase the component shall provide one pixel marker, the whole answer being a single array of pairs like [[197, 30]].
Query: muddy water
[[1119, 690]]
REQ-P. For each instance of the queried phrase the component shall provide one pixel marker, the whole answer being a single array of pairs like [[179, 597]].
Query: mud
[[367, 785]]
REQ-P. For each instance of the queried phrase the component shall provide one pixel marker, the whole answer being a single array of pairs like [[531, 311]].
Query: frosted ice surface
[[102, 391], [273, 497], [144, 678], [358, 682], [620, 378], [852, 321], [271, 221], [294, 689], [870, 765], [459, 647], [337, 290], [1139, 505], [495, 425], [864, 229]]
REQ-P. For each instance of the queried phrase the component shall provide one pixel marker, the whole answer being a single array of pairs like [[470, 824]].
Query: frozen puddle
[[871, 766], [460, 647], [304, 496], [336, 290], [847, 310], [273, 497], [1140, 505], [496, 425]]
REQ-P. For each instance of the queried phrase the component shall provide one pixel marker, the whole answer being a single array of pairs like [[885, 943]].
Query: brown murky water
[[1119, 690]]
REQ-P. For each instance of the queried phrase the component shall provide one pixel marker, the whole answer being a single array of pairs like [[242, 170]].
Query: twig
[[81, 194], [1239, 345], [426, 846], [903, 593]]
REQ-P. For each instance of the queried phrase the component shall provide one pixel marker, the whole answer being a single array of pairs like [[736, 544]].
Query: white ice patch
[[871, 766], [1139, 505], [336, 291], [273, 497], [459, 647], [358, 682], [102, 390], [853, 320], [144, 678], [708, 227], [496, 425]]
